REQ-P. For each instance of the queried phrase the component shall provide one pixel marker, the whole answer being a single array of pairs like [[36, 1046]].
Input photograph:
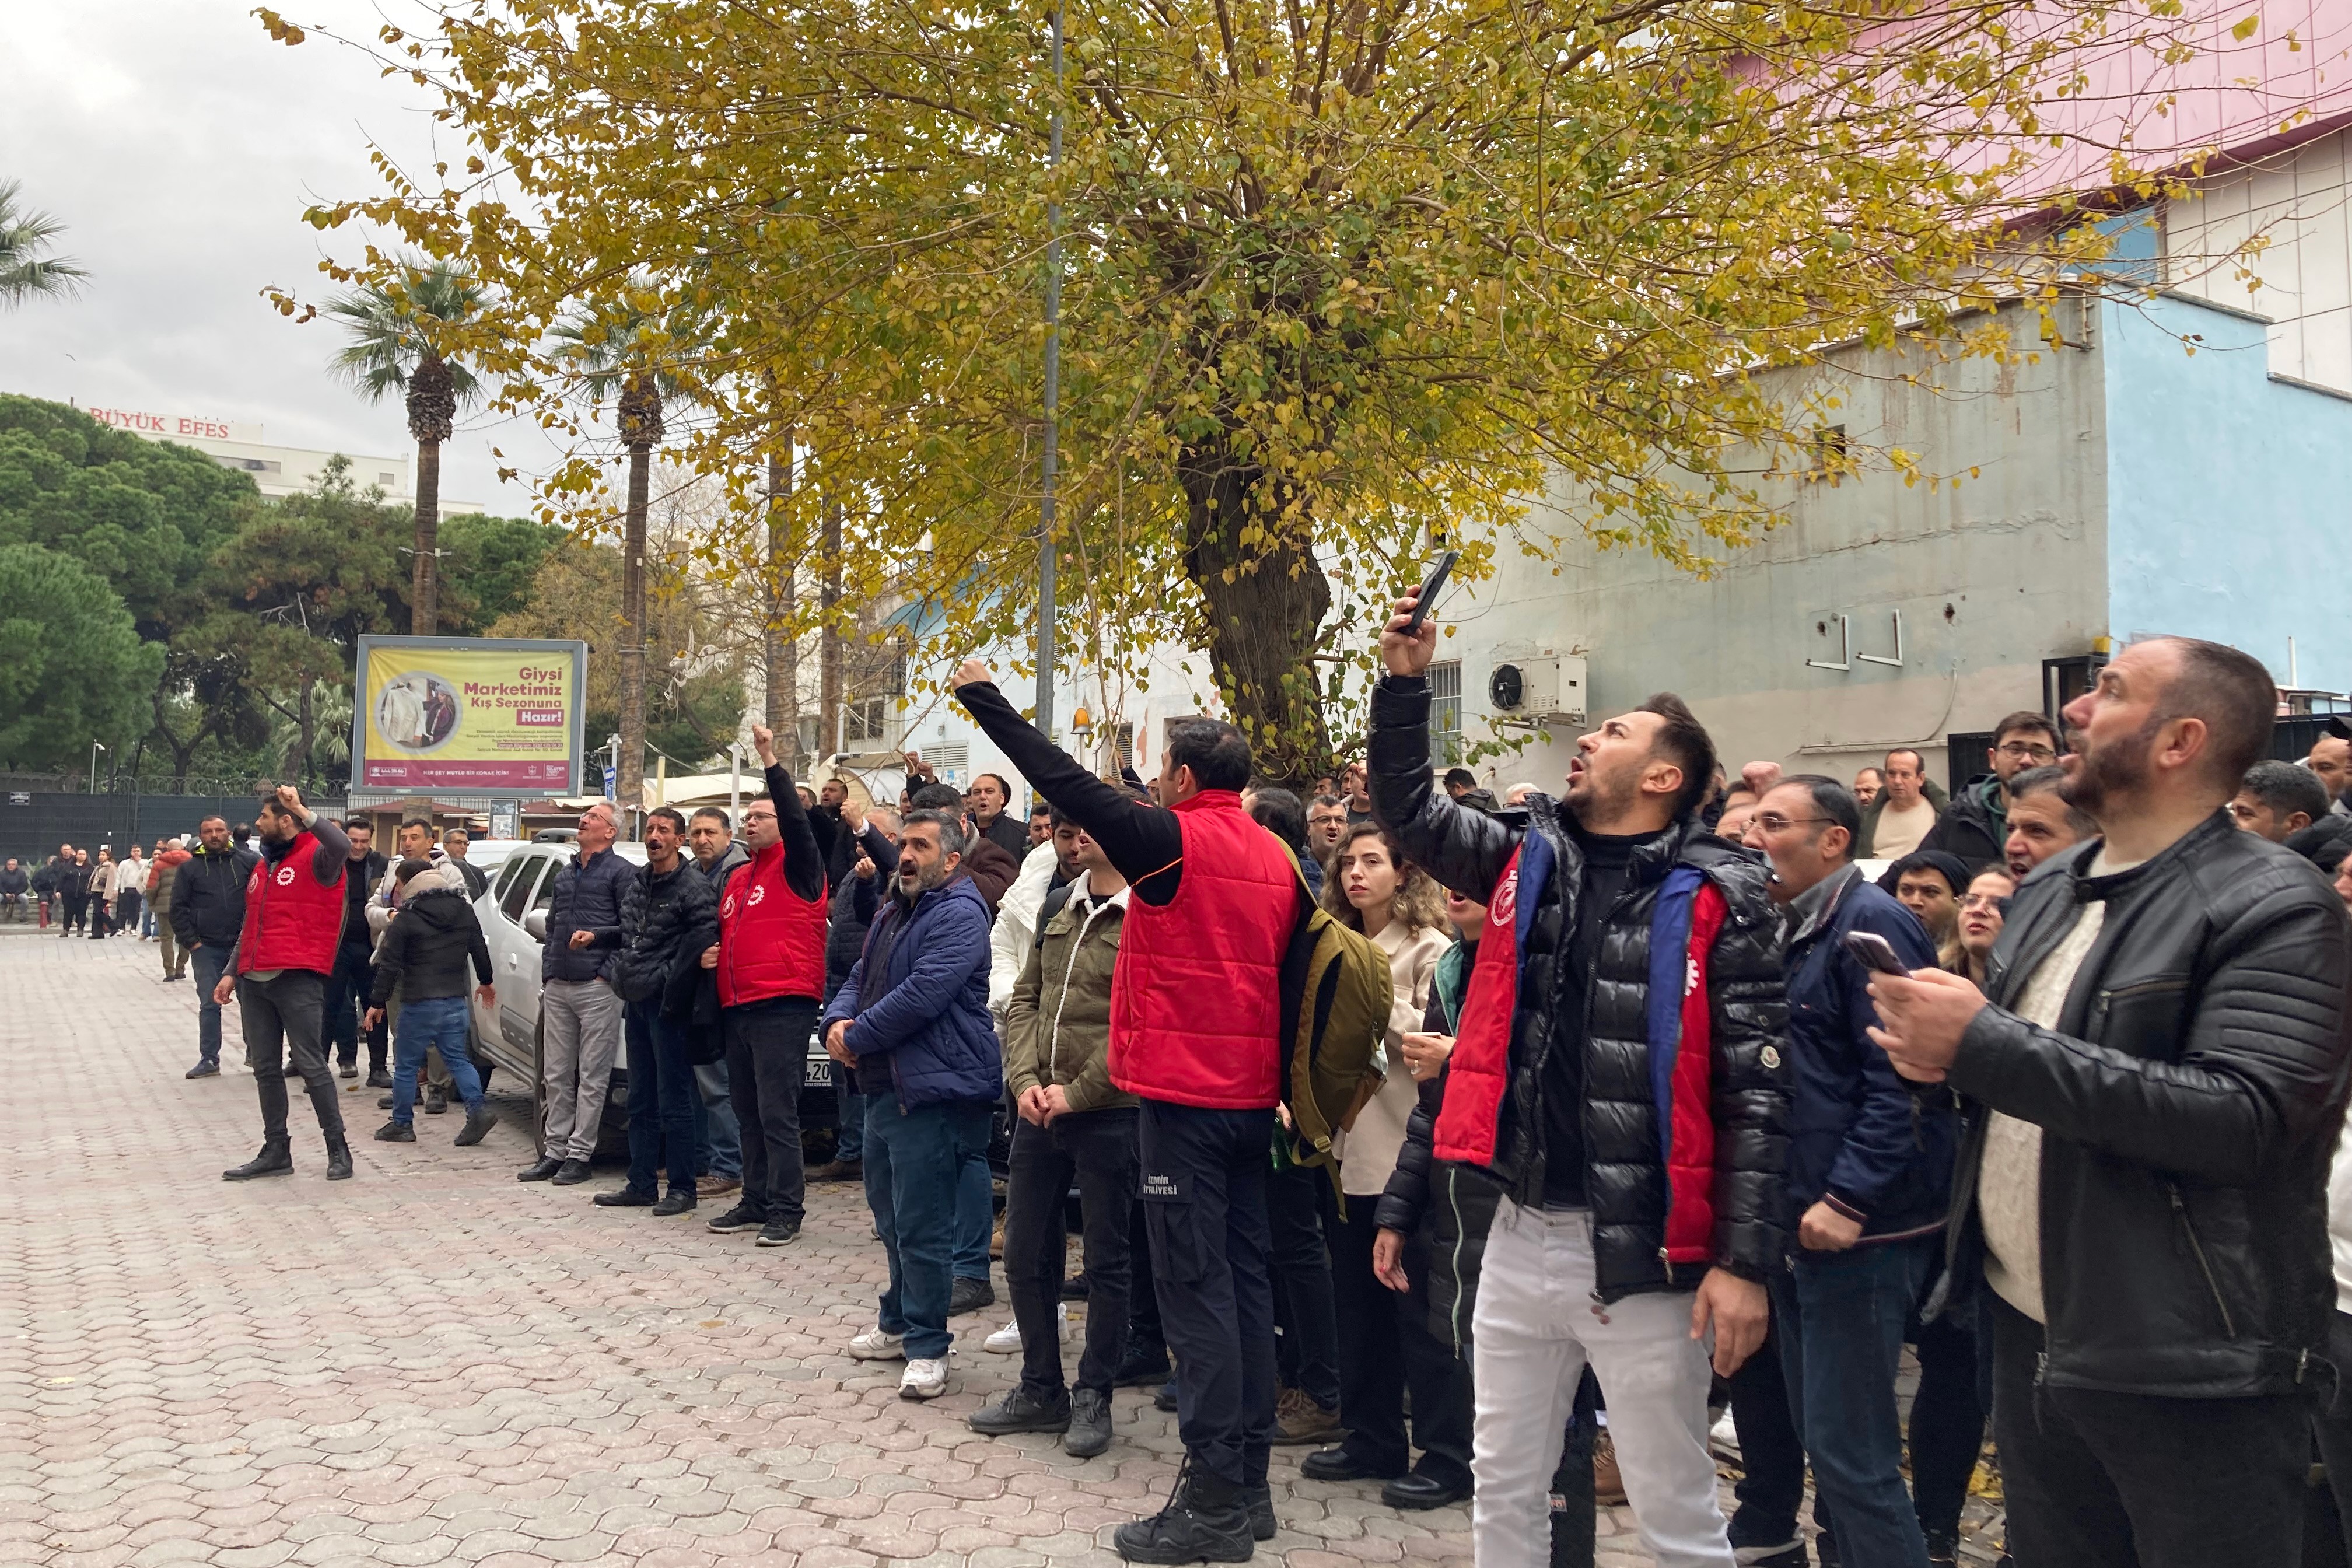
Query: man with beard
[[2159, 1053], [279, 969], [1974, 826], [1638, 1138], [912, 1018]]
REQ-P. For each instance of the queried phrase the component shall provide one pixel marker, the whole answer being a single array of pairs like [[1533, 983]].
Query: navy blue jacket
[[588, 897], [929, 1017], [1859, 1133]]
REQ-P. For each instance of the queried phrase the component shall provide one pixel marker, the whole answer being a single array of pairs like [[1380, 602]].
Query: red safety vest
[[770, 941], [292, 920], [1196, 995]]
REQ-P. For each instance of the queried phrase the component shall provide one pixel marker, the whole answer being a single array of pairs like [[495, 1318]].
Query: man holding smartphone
[[1870, 1165]]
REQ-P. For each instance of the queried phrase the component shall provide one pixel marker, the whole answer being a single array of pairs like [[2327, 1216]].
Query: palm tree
[[24, 271], [612, 350], [394, 347]]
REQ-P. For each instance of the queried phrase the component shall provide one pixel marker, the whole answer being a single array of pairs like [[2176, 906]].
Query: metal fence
[[33, 823]]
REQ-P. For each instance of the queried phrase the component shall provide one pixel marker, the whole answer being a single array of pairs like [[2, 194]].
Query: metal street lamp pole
[[96, 747], [1052, 401]]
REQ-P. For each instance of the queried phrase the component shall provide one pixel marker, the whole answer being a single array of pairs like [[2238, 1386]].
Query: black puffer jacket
[[2189, 1102], [1625, 1177], [429, 943], [1968, 830], [849, 913], [587, 896], [667, 917]]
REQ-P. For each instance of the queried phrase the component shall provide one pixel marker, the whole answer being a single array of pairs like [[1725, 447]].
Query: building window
[[865, 721], [1445, 711], [383, 479]]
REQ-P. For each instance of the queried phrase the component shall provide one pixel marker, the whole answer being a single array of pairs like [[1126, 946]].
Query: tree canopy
[[72, 667], [1337, 274]]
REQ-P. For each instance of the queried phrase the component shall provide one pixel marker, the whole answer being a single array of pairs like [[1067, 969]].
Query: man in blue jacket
[[580, 1012], [1870, 1167], [912, 1018]]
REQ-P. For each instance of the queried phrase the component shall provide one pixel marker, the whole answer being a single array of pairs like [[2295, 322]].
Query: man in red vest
[[769, 956], [284, 954], [1196, 1011]]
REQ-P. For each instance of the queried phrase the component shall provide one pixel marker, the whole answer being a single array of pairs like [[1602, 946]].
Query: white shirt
[[2009, 1182]]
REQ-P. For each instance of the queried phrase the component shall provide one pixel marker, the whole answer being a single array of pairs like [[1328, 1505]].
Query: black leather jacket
[[2189, 1102], [1625, 1177], [667, 919]]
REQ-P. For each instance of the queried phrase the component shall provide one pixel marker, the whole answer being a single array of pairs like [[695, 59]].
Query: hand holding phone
[[1874, 951], [1427, 598], [1408, 642]]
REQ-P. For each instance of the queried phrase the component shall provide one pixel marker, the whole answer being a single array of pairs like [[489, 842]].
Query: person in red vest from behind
[[293, 922], [769, 959], [1196, 1010]]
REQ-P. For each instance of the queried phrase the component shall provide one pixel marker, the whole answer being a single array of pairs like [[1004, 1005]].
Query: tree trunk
[[783, 679], [306, 728], [633, 635], [425, 585], [1264, 608], [829, 637]]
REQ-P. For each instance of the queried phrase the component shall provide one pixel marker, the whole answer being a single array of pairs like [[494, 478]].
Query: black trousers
[[347, 999], [1296, 1197], [1204, 1185], [1385, 1349], [2135, 1481], [77, 910], [1097, 1150], [2332, 1426], [767, 1064], [280, 1017], [1948, 1422], [1771, 1486], [1143, 1329]]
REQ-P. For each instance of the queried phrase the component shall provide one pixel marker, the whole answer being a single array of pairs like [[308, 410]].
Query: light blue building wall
[[2229, 513]]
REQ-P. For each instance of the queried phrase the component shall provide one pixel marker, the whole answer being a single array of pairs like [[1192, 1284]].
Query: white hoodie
[[1010, 939]]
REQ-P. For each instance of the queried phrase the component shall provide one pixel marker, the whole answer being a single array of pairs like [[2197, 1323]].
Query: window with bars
[[1123, 742], [1445, 712], [864, 722]]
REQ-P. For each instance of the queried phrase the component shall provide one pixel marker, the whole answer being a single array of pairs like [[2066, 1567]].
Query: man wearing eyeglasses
[[1975, 826]]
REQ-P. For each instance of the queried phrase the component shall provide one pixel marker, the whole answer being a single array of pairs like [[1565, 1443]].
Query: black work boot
[[339, 1159], [1022, 1411], [1206, 1520], [1261, 1511], [276, 1159]]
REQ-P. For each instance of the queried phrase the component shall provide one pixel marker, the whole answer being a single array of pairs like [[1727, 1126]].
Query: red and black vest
[[770, 941], [292, 920], [1196, 995]]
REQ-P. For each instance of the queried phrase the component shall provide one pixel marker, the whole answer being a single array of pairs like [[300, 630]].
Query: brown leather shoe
[[716, 1186], [1608, 1480], [1298, 1420], [838, 1171]]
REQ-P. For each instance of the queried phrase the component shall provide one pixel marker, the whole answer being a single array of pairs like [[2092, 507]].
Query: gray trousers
[[580, 1023]]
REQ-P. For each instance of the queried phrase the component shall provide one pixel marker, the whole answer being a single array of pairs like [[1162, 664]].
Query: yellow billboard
[[468, 715]]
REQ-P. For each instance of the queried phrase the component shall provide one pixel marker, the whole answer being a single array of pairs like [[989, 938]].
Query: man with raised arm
[[1195, 1026]]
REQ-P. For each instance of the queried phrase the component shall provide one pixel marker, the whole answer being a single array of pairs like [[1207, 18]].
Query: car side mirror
[[535, 923]]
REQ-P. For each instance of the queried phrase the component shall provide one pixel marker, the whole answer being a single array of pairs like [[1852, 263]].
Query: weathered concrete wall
[[1990, 578]]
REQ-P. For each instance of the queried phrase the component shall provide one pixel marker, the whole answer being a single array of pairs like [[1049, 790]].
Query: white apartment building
[[275, 471]]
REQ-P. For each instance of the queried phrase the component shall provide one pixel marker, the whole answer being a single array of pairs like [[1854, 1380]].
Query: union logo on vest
[[286, 876]]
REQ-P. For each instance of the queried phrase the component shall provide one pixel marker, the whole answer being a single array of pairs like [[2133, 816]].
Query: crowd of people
[[1487, 1148], [100, 898]]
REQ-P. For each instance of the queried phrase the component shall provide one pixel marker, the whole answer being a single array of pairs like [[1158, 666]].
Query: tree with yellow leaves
[[1337, 275]]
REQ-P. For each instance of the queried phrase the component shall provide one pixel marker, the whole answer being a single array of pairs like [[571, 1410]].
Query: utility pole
[[1053, 397], [784, 652], [829, 639]]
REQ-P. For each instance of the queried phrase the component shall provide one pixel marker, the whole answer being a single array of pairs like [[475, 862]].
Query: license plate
[[820, 1072]]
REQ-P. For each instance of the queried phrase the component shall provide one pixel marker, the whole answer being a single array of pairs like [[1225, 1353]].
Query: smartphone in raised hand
[[1427, 598], [1875, 952]]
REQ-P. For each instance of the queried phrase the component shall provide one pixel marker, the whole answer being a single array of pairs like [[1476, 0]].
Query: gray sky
[[180, 145]]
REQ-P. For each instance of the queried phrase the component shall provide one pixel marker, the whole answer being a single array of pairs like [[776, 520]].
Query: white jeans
[[1535, 1326]]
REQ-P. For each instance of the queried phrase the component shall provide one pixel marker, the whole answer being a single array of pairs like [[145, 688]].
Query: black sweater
[[431, 936]]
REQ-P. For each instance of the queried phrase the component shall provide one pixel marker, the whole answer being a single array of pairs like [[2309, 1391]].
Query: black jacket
[[2190, 1103], [1448, 1206], [208, 898], [667, 917], [850, 912], [1968, 830], [425, 948], [587, 896], [1625, 1176], [15, 883], [357, 886]]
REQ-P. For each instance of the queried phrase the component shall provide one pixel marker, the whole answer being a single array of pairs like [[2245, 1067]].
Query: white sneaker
[[924, 1380], [1004, 1340], [876, 1345]]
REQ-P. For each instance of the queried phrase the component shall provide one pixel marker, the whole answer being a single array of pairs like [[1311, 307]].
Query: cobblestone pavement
[[432, 1364]]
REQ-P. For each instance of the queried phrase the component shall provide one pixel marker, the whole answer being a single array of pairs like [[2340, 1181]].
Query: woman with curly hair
[[1385, 1344]]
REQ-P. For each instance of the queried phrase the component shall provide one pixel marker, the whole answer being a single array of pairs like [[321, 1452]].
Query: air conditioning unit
[[1543, 687]]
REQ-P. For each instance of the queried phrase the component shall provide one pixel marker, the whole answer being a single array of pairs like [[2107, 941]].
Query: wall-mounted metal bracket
[[1880, 659], [1845, 639]]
